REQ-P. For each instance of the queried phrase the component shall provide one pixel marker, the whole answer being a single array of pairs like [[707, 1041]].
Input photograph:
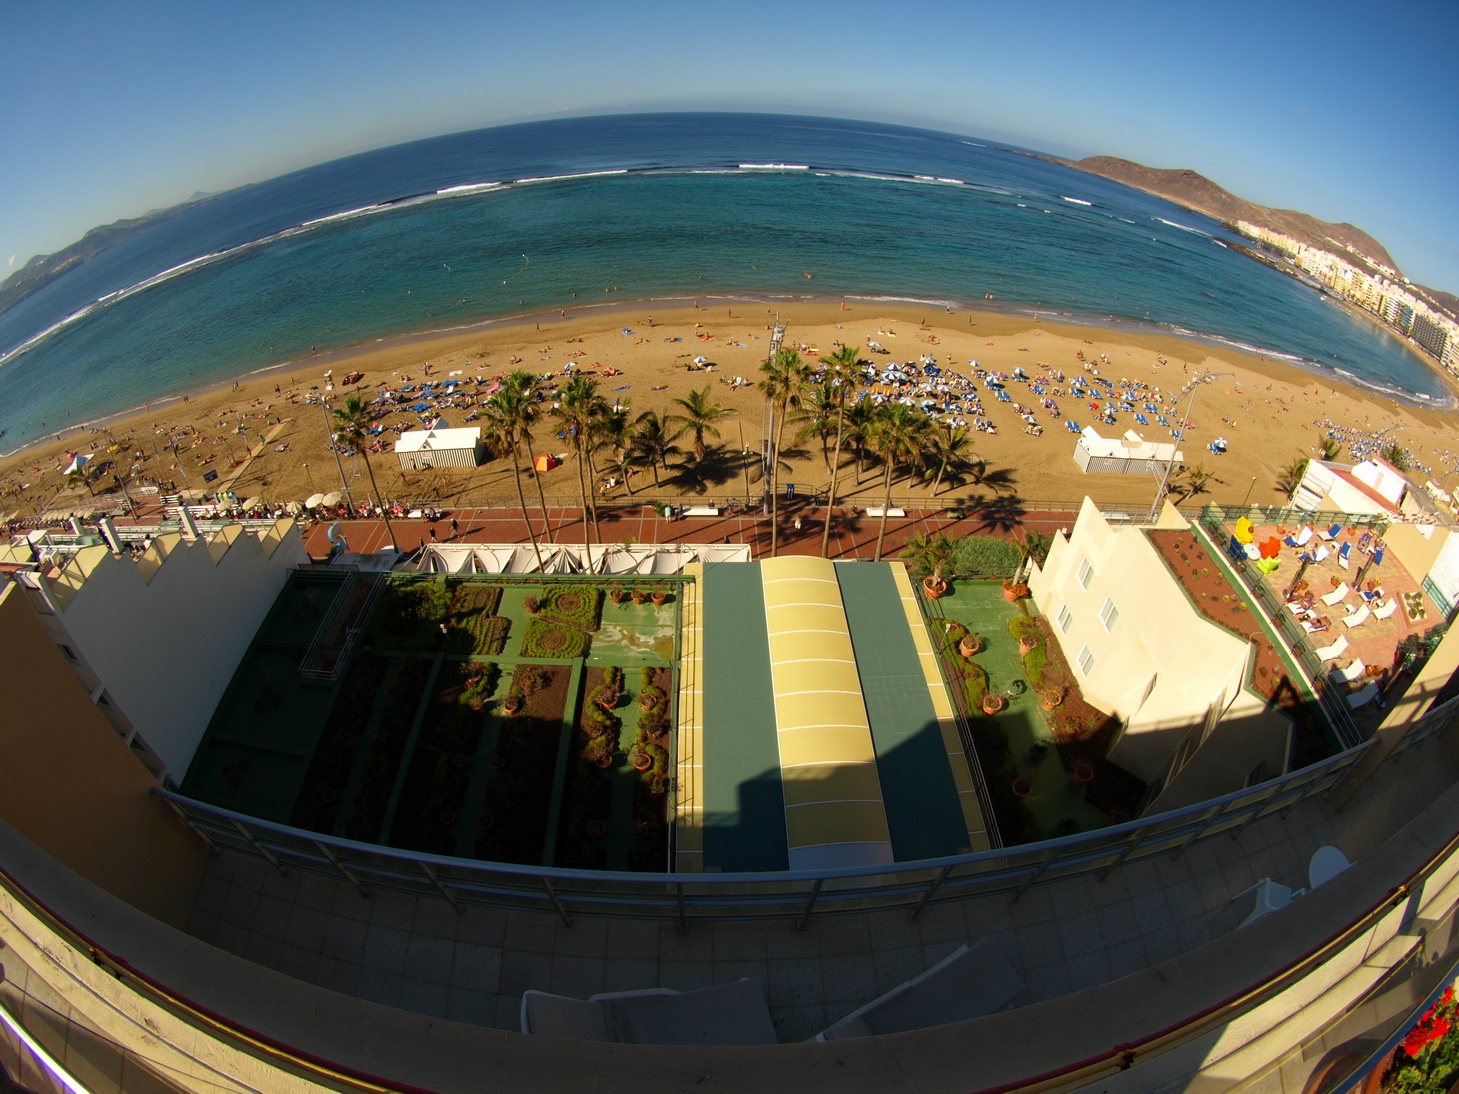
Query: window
[[1086, 660], [1086, 572], [1065, 618], [1109, 614]]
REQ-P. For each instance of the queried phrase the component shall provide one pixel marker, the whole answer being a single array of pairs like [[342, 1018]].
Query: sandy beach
[[1268, 412]]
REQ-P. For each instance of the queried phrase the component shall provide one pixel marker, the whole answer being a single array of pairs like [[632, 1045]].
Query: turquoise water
[[877, 212]]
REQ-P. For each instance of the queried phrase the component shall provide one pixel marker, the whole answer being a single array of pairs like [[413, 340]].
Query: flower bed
[[382, 767], [519, 796], [408, 616], [548, 639], [339, 745], [473, 597], [579, 606]]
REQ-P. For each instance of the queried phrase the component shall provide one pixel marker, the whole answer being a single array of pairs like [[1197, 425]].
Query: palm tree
[[579, 409], [842, 367], [897, 436], [528, 406], [858, 420], [509, 411], [1329, 448], [818, 419], [698, 418], [1193, 480], [1291, 476], [784, 385], [81, 477], [930, 555], [949, 448], [1395, 454], [651, 443], [351, 429]]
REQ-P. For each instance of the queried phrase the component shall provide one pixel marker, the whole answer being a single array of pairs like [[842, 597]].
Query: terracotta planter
[[498, 762], [486, 823], [992, 704], [970, 645], [603, 763], [658, 597], [1083, 774], [638, 597], [1022, 788], [446, 819], [608, 704], [595, 829], [643, 763], [329, 795], [1027, 644], [512, 705], [618, 596], [935, 590], [1009, 594]]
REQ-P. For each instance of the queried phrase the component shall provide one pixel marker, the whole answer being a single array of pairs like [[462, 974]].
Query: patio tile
[[429, 958], [794, 982], [476, 1007], [476, 967], [630, 975], [386, 949], [800, 1022], [423, 996]]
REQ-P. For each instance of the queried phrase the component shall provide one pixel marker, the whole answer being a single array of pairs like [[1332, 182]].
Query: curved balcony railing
[[797, 895]]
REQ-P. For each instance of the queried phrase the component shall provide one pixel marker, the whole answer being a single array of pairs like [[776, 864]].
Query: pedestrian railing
[[796, 895]]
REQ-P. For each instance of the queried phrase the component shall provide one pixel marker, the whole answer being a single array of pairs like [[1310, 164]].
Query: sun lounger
[[1334, 651], [968, 983], [1321, 554], [1337, 595], [1304, 535], [1353, 672], [1342, 555], [728, 1014], [1331, 533], [1363, 697], [1358, 618], [1383, 611]]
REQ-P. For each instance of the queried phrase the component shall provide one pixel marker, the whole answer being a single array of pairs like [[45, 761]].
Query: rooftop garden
[[511, 721]]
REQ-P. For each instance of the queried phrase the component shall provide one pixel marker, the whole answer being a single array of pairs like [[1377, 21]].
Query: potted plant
[[970, 644], [617, 594], [1022, 787], [512, 704], [639, 757], [1014, 590], [1083, 773], [638, 595], [993, 703], [532, 604], [1028, 643], [931, 555], [659, 595], [1052, 697]]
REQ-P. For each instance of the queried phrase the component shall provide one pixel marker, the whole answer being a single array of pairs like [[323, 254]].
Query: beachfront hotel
[[1174, 807]]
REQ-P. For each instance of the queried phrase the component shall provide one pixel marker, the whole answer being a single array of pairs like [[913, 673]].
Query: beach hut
[[419, 449]]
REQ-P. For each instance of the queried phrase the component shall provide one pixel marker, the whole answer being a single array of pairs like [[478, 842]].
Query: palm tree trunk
[[592, 504], [542, 499], [775, 486], [885, 506], [583, 490], [389, 531], [937, 482], [522, 501], [835, 471]]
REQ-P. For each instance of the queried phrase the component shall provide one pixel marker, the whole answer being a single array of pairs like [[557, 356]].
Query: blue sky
[[1339, 109]]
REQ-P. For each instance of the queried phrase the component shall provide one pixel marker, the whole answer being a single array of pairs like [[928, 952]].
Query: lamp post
[[310, 475], [1249, 489], [1193, 386]]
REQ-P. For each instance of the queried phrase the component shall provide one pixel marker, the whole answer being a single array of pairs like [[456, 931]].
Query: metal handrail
[[1009, 870]]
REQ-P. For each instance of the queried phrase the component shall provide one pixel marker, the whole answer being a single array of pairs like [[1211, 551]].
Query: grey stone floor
[[420, 954]]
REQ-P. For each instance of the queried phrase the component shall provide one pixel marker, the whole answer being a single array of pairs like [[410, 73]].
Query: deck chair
[[1342, 555], [1353, 672], [1304, 535], [1337, 595], [968, 983], [1327, 862], [1332, 532], [1334, 651], [1321, 554], [1385, 609], [1363, 697], [1357, 618], [1270, 897]]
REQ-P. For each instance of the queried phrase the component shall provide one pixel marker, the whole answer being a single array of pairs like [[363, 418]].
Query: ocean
[[523, 219]]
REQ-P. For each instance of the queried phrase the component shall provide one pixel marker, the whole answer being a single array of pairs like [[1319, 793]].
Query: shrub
[[975, 686], [547, 639], [985, 556], [579, 606]]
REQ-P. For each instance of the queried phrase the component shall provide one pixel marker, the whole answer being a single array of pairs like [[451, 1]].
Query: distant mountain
[[1194, 191], [42, 268]]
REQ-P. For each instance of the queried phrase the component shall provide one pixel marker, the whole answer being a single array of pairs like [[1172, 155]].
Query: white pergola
[[576, 558]]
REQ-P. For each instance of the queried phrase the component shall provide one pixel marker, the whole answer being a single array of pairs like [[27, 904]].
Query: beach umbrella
[[296, 506], [314, 501], [252, 503], [332, 499]]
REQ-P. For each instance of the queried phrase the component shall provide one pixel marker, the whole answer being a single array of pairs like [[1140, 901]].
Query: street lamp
[[1249, 489], [1193, 386], [310, 475]]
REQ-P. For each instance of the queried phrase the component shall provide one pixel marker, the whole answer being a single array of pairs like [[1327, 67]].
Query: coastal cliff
[[1195, 191]]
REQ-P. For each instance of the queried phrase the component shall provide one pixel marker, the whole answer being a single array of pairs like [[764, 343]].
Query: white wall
[[165, 649], [1162, 665]]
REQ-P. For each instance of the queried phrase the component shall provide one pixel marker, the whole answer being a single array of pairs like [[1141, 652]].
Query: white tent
[[423, 448], [517, 558]]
